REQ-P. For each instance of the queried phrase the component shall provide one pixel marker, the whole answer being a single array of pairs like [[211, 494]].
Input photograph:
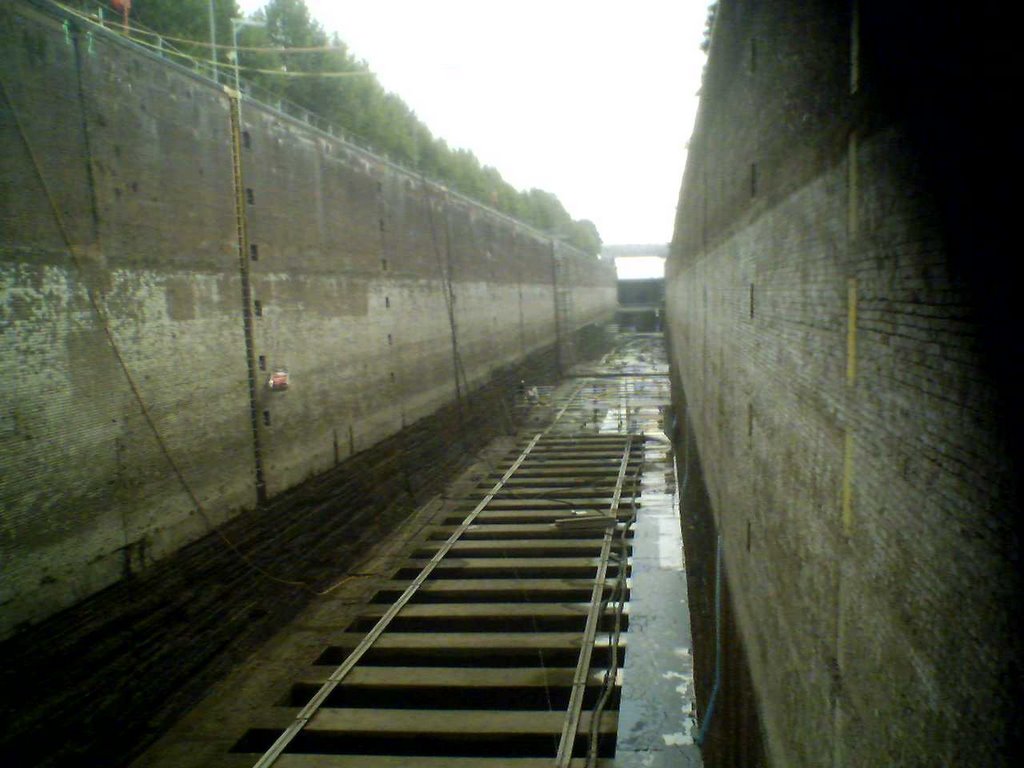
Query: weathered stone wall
[[842, 332], [119, 252]]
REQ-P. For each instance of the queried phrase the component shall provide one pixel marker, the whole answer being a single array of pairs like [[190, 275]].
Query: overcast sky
[[592, 100]]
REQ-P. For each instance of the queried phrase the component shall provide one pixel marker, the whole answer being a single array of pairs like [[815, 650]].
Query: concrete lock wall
[[846, 350], [120, 252]]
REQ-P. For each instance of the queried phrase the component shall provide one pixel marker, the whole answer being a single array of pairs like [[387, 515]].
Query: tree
[[189, 20], [709, 25], [586, 237], [358, 105]]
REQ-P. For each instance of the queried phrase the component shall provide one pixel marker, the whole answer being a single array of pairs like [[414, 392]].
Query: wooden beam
[[462, 677], [456, 722]]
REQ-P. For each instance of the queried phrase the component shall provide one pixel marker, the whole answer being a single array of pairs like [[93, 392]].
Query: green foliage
[[586, 237], [358, 105], [189, 20], [709, 25]]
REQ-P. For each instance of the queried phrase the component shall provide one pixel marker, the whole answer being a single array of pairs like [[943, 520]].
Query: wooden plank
[[462, 677], [580, 442], [508, 545], [565, 503], [609, 452], [453, 722], [604, 479], [486, 610], [528, 530], [609, 458], [510, 563], [511, 517], [557, 492], [563, 469], [416, 761], [440, 641], [612, 445], [606, 440], [497, 586], [583, 439], [547, 445], [592, 458]]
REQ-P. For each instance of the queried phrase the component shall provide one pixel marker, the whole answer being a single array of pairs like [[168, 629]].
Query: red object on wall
[[278, 380], [123, 7]]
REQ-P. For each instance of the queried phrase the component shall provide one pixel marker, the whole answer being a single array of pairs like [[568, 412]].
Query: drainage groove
[[499, 640]]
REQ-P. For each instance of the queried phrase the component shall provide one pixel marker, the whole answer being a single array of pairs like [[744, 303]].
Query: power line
[[222, 46], [257, 70], [255, 48]]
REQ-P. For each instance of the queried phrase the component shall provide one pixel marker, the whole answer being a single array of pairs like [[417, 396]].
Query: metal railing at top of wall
[[111, 27]]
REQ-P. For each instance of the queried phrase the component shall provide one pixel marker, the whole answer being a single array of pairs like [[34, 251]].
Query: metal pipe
[[213, 41], [235, 24]]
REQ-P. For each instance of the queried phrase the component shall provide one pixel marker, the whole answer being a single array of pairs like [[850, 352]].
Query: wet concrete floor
[[628, 391]]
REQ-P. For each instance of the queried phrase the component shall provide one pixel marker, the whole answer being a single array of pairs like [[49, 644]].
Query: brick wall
[[352, 262], [848, 356]]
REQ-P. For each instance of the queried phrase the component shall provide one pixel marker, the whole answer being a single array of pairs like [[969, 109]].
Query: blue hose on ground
[[706, 722]]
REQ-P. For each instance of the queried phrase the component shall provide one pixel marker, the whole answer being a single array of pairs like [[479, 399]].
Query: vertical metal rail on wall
[[86, 138], [444, 265], [449, 289], [242, 234]]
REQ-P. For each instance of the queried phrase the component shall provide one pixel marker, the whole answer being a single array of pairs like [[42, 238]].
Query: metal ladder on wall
[[242, 234]]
